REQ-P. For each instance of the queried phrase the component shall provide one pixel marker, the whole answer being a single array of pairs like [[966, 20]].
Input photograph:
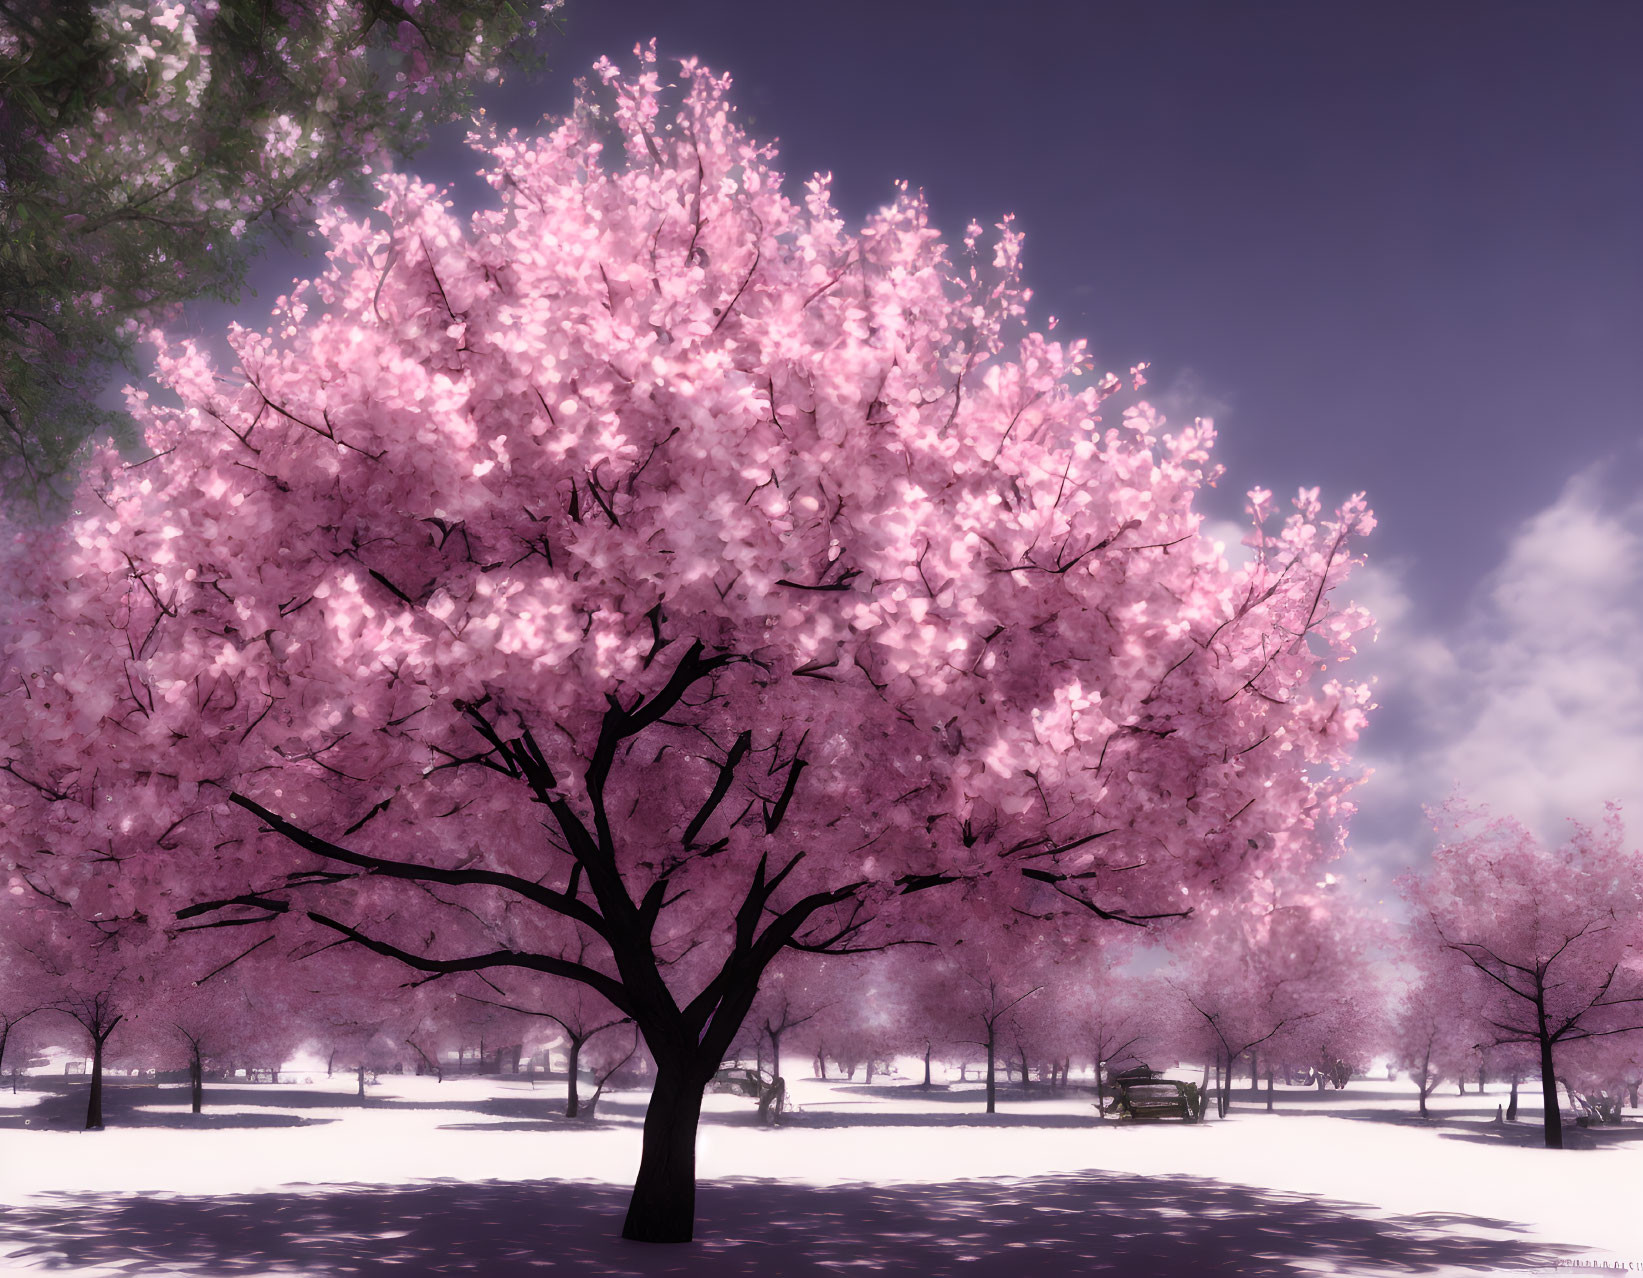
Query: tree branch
[[558, 902], [612, 990]]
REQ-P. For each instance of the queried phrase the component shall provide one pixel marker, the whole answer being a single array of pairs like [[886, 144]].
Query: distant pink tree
[[204, 1024], [1117, 1020], [660, 559], [1250, 977], [1335, 959], [1544, 945], [992, 977], [578, 1013], [22, 994], [918, 1005], [90, 974], [1603, 1075], [1431, 1038]]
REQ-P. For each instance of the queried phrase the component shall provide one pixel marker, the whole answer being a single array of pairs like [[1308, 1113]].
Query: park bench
[[1165, 1098], [1143, 1093], [771, 1093], [739, 1081]]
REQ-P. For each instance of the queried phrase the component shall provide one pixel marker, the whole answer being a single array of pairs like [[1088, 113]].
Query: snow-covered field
[[482, 1176]]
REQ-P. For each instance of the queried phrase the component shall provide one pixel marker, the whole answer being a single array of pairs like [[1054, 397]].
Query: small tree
[[1541, 946], [1431, 1039], [1254, 975]]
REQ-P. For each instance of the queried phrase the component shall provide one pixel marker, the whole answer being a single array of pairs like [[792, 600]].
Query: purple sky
[[1391, 247]]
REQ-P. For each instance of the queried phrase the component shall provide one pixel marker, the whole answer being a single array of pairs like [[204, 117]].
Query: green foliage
[[94, 250]]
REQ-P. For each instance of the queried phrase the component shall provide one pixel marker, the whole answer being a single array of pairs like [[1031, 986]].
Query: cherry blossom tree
[[89, 973], [22, 997], [925, 1004], [1116, 1019], [1254, 976], [663, 565], [579, 1013], [1335, 959], [1431, 1038], [1603, 1075], [993, 978], [1545, 945], [903, 1002], [144, 147], [207, 1009]]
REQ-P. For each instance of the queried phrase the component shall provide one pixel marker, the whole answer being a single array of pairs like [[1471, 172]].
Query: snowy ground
[[483, 1177]]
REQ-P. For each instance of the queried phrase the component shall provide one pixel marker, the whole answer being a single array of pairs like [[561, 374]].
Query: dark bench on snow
[[770, 1092], [1143, 1093]]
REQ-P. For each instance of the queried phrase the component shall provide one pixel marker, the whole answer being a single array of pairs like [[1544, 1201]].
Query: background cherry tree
[[1542, 946], [1266, 978], [660, 566]]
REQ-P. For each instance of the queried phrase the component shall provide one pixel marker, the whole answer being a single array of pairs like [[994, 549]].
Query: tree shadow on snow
[[975, 1116], [966, 1093], [1479, 1126], [63, 1108], [1077, 1223], [123, 1101], [1529, 1135]]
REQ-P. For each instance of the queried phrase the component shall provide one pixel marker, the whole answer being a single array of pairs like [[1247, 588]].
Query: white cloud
[[1532, 703], [1231, 536]]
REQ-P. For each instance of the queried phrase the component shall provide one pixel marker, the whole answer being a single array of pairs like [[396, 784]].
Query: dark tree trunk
[[1511, 1105], [1425, 1090], [1480, 1080], [928, 1048], [362, 1082], [431, 1063], [663, 1206], [1254, 1076], [1322, 1079], [821, 1065], [573, 1099], [1552, 1120], [330, 1063], [94, 1103], [196, 1081], [867, 1077], [992, 1076]]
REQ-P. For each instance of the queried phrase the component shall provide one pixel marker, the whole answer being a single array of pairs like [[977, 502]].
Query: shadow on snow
[[1163, 1225]]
